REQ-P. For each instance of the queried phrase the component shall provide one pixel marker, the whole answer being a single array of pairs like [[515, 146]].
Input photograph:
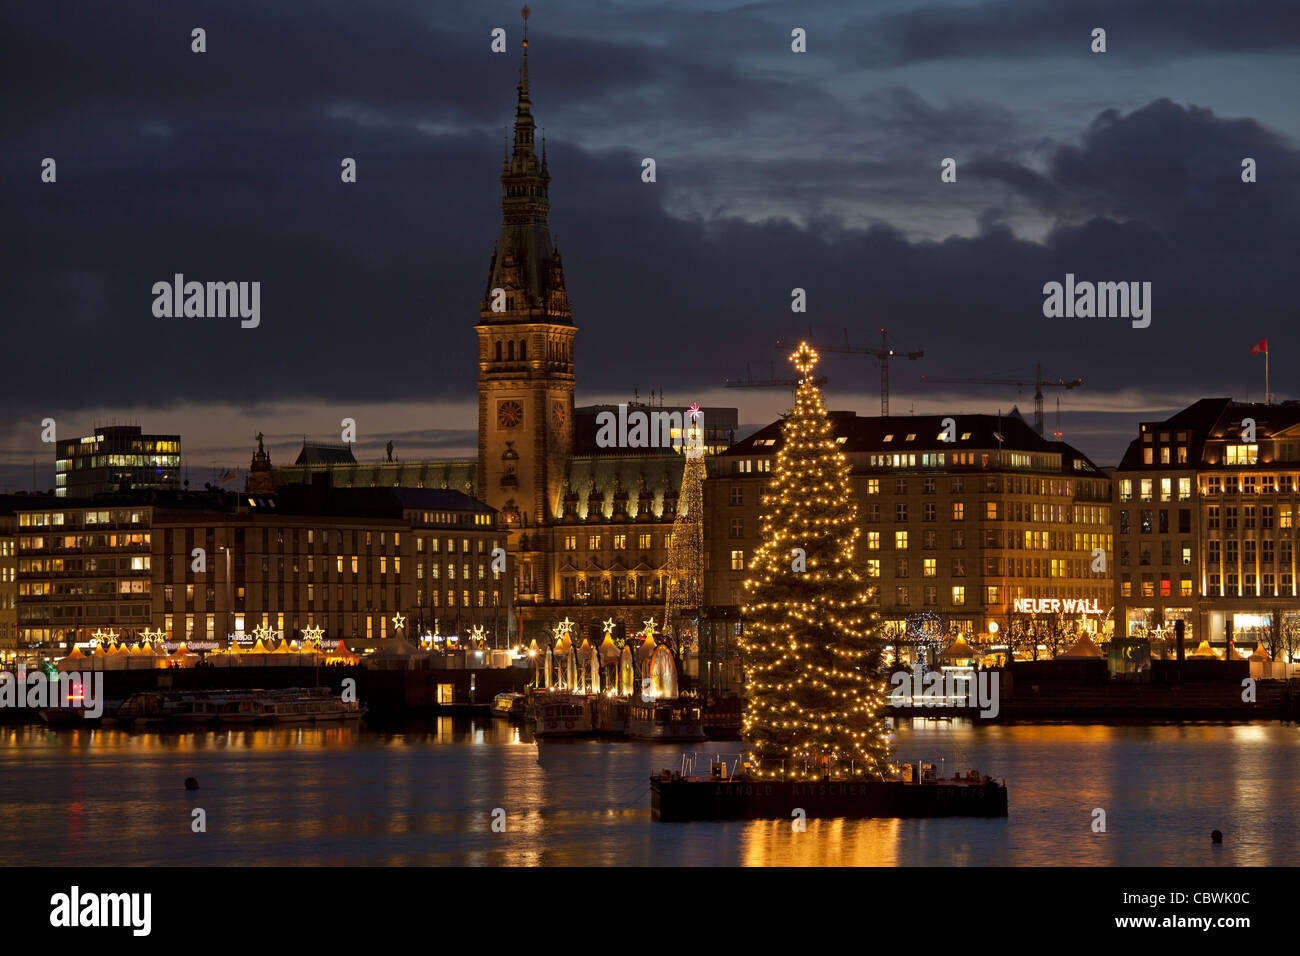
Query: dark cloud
[[226, 166], [1031, 29]]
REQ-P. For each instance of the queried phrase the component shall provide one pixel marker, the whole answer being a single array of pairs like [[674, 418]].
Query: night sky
[[775, 170]]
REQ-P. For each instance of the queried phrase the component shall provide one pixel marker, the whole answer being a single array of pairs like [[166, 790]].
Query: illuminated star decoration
[[150, 636], [609, 626], [399, 621], [262, 632], [477, 631], [650, 628], [313, 633], [564, 628], [804, 358], [98, 635]]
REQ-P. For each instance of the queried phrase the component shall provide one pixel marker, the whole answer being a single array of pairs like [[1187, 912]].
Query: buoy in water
[[1216, 837], [192, 784]]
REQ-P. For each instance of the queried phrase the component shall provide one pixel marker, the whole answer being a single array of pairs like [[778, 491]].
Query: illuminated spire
[[524, 126], [525, 265]]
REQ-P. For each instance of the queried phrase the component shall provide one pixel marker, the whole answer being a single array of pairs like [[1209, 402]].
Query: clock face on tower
[[559, 415], [509, 414]]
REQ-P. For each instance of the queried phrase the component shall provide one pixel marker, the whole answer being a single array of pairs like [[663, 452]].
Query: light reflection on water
[[424, 795]]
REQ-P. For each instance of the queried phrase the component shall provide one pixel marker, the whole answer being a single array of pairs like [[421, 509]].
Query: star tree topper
[[804, 358]]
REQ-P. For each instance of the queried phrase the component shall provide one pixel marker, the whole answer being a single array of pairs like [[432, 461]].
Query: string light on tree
[[684, 575], [815, 694]]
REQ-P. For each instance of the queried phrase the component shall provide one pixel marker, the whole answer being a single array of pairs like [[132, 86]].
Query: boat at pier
[[678, 719], [218, 707], [724, 794], [609, 715], [723, 717], [509, 704], [561, 715]]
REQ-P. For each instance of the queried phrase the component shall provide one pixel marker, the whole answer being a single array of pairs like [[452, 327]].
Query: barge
[[679, 797], [561, 715], [224, 707], [665, 720]]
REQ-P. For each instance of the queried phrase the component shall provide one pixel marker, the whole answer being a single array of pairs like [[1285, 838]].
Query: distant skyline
[[775, 170]]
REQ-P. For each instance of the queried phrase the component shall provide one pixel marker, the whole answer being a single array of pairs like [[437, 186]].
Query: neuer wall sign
[[1057, 606]]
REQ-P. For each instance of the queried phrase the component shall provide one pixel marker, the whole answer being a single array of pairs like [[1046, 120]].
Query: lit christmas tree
[[684, 577], [815, 695]]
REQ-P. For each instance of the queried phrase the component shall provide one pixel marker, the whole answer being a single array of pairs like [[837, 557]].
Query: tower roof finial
[[523, 69]]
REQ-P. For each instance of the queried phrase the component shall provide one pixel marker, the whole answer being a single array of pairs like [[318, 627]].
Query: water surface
[[425, 795]]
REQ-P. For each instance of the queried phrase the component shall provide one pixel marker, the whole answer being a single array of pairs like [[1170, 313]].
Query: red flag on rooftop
[[1261, 348]]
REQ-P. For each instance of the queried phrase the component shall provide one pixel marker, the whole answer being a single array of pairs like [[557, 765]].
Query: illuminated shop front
[[1150, 622]]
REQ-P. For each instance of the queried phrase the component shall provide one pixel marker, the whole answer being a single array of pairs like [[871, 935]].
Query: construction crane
[[750, 382], [883, 354], [1038, 383]]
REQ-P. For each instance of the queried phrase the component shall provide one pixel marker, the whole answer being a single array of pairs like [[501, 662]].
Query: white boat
[[299, 705], [561, 715], [678, 719], [207, 708], [508, 704]]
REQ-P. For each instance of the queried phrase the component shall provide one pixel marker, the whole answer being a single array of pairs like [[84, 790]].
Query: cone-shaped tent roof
[[1083, 647], [563, 645], [396, 646], [957, 650], [647, 648], [1205, 650], [75, 654], [1260, 654], [259, 648], [609, 650], [341, 653]]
